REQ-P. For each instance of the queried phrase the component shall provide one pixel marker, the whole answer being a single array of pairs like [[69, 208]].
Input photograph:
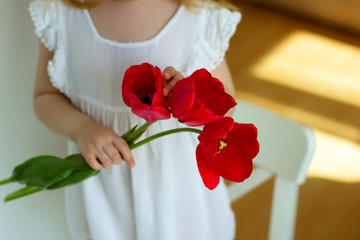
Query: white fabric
[[163, 197]]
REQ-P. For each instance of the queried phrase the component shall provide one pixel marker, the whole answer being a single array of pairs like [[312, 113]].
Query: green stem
[[155, 136], [23, 192], [5, 181]]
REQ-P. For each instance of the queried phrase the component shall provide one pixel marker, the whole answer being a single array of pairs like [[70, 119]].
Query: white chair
[[286, 149]]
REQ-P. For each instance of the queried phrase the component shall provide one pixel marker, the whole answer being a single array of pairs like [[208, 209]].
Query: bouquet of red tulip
[[225, 148]]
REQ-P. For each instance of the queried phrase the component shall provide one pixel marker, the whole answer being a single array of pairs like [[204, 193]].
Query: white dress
[[163, 196]]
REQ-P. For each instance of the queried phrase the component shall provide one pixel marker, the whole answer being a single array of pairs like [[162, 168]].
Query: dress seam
[[100, 105]]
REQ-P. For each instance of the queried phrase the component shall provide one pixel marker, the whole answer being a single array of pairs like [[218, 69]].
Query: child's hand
[[101, 146], [171, 76]]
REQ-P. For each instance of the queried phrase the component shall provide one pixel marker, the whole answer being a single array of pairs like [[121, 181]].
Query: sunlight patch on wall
[[335, 158], [322, 66]]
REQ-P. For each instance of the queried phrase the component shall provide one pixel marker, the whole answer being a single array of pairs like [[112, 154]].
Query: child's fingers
[[113, 154], [171, 76], [104, 159], [93, 162], [126, 154], [169, 72], [102, 147]]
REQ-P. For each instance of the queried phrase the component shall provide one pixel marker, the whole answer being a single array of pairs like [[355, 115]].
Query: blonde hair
[[187, 3]]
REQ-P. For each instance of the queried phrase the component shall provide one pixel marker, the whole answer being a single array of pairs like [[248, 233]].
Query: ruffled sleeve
[[219, 25], [48, 28]]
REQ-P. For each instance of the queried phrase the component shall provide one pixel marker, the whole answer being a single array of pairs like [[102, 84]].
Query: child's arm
[[99, 145]]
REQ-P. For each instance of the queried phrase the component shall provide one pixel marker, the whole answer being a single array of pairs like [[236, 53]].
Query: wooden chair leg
[[283, 211]]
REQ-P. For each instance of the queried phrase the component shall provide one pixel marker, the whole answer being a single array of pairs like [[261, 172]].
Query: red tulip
[[199, 99], [226, 149], [142, 91]]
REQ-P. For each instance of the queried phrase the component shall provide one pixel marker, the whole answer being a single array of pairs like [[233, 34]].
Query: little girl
[[84, 53]]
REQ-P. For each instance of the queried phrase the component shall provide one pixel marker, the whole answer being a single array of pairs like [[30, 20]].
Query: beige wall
[[40, 216]]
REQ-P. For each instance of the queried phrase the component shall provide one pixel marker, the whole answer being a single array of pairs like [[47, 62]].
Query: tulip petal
[[142, 78], [202, 78], [232, 159], [158, 99], [209, 177], [199, 122], [213, 132], [130, 99], [234, 163], [200, 99], [150, 114], [246, 136], [198, 115], [182, 98], [216, 130], [212, 93], [142, 91]]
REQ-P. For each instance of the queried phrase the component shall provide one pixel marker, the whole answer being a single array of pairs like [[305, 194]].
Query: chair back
[[286, 146], [286, 149]]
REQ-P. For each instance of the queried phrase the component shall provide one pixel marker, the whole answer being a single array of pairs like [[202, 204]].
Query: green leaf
[[6, 181], [25, 191], [126, 135], [78, 161], [74, 178], [81, 173], [135, 135], [46, 170]]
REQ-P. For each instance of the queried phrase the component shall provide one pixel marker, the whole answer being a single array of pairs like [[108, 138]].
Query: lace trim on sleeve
[[209, 52], [45, 17]]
